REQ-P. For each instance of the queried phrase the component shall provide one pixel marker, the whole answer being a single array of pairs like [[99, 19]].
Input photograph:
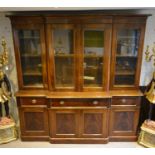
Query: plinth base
[[147, 134], [7, 132]]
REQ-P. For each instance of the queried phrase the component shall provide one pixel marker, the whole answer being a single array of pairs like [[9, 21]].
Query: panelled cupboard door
[[30, 55], [124, 120], [126, 55], [62, 51], [34, 121], [96, 48], [64, 123], [94, 123], [73, 123]]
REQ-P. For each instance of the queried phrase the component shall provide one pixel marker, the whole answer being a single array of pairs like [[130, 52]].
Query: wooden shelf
[[125, 73], [127, 56], [63, 55], [29, 38], [32, 74], [92, 56], [30, 56]]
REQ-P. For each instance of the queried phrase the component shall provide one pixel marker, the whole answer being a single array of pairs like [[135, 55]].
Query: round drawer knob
[[62, 102], [34, 101], [95, 102], [123, 100]]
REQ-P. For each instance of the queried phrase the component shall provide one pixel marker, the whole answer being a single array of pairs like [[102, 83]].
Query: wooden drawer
[[126, 101], [32, 101], [79, 102]]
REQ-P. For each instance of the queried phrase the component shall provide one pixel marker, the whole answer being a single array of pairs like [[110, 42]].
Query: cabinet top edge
[[76, 13], [48, 94]]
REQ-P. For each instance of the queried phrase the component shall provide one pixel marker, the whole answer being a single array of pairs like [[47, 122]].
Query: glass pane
[[64, 57], [93, 58], [30, 53], [126, 56]]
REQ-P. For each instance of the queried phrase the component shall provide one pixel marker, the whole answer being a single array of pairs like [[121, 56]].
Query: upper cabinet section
[[63, 50], [96, 53], [30, 56], [73, 51], [126, 55], [93, 57]]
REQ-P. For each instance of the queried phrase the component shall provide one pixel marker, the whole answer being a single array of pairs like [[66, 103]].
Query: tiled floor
[[20, 144]]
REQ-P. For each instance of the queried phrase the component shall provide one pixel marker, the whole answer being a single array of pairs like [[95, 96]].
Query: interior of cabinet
[[93, 57], [63, 57], [126, 56], [30, 55]]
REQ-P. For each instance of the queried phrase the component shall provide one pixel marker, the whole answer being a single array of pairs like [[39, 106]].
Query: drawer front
[[32, 101], [126, 101], [79, 102]]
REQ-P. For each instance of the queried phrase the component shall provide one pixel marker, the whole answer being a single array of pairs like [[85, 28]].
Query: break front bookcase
[[78, 75]]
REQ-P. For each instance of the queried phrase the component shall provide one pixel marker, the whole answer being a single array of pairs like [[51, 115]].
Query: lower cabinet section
[[64, 123], [94, 123], [34, 123], [124, 117], [78, 125], [79, 120]]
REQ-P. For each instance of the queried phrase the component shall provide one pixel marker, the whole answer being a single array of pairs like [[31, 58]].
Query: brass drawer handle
[[123, 100], [95, 102], [34, 101], [62, 102]]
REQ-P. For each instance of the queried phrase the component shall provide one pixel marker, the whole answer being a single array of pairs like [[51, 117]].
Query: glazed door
[[126, 55], [61, 42], [30, 55], [95, 52]]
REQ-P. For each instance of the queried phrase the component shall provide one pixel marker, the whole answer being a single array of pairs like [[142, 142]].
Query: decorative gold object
[[4, 55], [148, 57], [147, 134], [150, 93], [7, 124], [8, 132]]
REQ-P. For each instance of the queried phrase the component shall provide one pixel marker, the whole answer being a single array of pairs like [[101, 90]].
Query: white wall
[[147, 67], [5, 30]]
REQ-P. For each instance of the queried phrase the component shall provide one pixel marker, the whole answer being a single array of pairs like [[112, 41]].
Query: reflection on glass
[[93, 58], [64, 58], [126, 56], [30, 53]]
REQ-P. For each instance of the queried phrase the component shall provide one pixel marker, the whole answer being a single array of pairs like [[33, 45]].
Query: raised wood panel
[[64, 123], [124, 121], [34, 121], [94, 123]]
